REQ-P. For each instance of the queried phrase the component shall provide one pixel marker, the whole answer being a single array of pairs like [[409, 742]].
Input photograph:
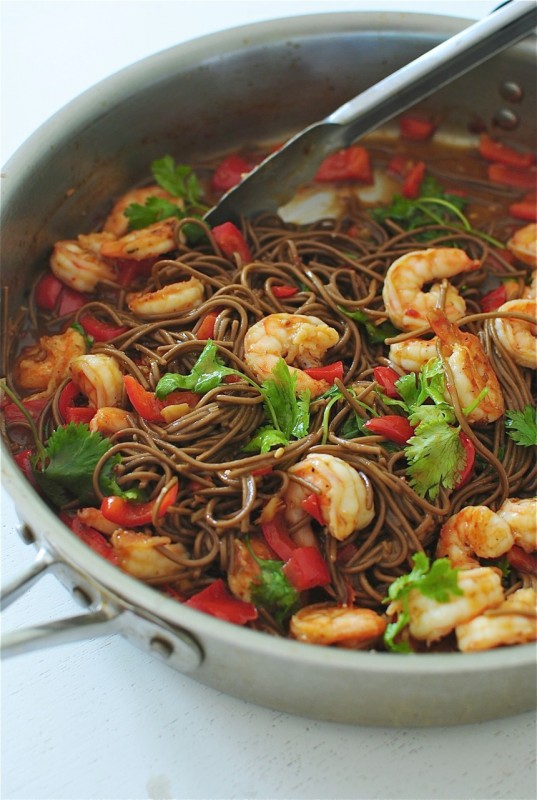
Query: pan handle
[[99, 621]]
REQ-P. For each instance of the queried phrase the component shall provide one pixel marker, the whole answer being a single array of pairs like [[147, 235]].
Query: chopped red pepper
[[47, 291], [131, 515], [128, 269], [525, 209], [34, 406], [206, 328], [99, 330], [413, 181], [275, 532], [230, 172], [416, 128], [67, 407], [230, 241], [218, 602], [327, 373], [493, 299], [145, 403], [306, 568], [398, 165], [511, 176], [350, 163], [282, 291], [500, 153], [23, 459], [386, 378], [396, 429], [469, 451], [90, 536], [312, 506], [519, 559]]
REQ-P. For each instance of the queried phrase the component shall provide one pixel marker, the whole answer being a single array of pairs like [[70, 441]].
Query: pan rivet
[[506, 119], [161, 647], [27, 535], [511, 91]]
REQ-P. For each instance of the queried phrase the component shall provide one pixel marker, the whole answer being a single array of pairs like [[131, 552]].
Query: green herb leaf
[[437, 581], [521, 426], [376, 333], [265, 439], [178, 179], [434, 455], [273, 591], [87, 338], [207, 373], [155, 210], [71, 455], [110, 486]]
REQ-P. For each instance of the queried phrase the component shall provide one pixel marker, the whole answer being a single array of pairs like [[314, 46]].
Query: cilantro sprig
[[207, 373], [437, 581], [272, 590], [375, 333], [434, 206], [521, 426]]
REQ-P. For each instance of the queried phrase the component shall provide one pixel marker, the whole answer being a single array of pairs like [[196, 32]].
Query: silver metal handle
[[436, 68]]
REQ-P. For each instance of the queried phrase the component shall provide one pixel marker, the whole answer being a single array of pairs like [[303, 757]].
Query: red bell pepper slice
[[350, 163], [413, 181], [206, 328], [525, 209], [327, 373], [416, 128], [519, 559], [282, 291], [493, 299], [230, 241], [306, 568], [218, 602], [500, 153], [145, 403], [275, 533], [312, 506], [469, 451], [128, 269], [99, 330], [229, 172], [34, 407], [91, 537], [511, 176], [69, 411], [386, 378], [47, 291], [396, 429], [23, 459], [131, 515], [397, 165]]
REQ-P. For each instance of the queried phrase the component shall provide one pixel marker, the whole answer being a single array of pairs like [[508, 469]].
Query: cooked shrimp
[[344, 626], [300, 340], [43, 366], [517, 336], [151, 242], [512, 622], [530, 292], [471, 369], [474, 530], [95, 519], [412, 354], [118, 224], [431, 620], [245, 570], [523, 244], [407, 305], [170, 299], [77, 263], [137, 554], [521, 516], [344, 497], [109, 420], [99, 378]]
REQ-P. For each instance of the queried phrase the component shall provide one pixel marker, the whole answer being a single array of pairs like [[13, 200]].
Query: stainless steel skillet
[[100, 145]]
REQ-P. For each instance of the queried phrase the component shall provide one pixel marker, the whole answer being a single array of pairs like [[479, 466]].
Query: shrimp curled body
[[348, 627], [299, 339], [170, 299], [344, 497], [517, 336], [512, 622], [408, 306], [523, 244]]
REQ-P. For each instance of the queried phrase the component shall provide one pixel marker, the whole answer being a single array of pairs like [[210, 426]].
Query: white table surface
[[103, 720]]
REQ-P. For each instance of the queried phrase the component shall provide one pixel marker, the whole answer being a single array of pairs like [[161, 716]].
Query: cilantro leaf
[[273, 591], [376, 333], [71, 455], [521, 426], [206, 374], [178, 179], [434, 454], [110, 486], [155, 210], [437, 581], [264, 439]]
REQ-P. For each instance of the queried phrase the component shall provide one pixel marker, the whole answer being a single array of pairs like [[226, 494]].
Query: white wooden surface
[[101, 719]]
